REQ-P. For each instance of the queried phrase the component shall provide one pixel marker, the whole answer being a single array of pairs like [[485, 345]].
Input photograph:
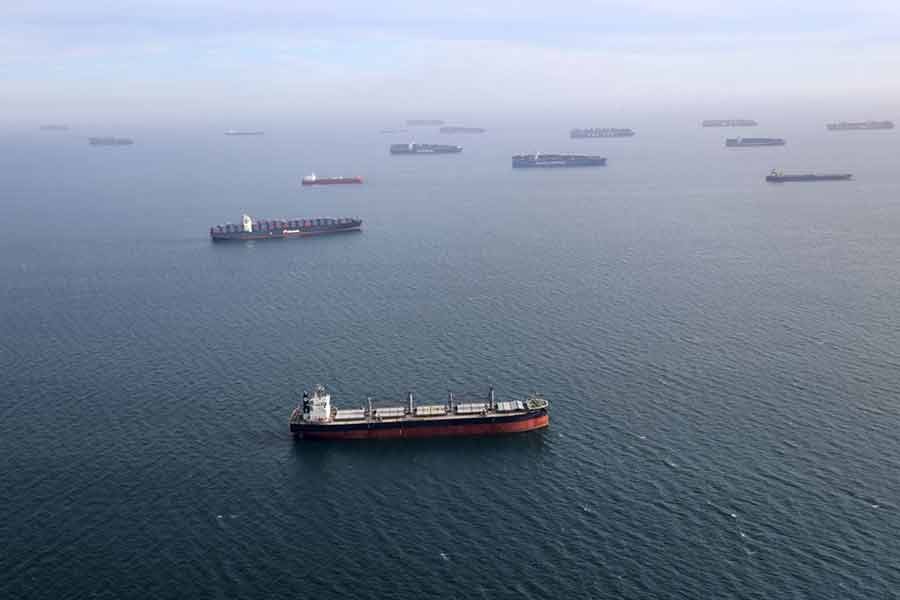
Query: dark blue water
[[721, 357]]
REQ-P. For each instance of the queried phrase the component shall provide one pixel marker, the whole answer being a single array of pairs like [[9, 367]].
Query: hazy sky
[[415, 57]]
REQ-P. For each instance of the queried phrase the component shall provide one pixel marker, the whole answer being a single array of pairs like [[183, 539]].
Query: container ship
[[777, 176], [845, 126], [276, 229], [315, 180], [729, 123], [605, 132], [424, 149], [110, 141], [315, 418], [421, 122], [743, 142], [456, 129], [522, 161], [244, 132]]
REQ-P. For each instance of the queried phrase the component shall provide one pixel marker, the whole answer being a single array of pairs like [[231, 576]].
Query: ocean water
[[722, 358]]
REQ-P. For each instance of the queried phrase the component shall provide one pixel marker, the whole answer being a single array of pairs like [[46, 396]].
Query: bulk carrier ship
[[315, 418], [276, 229]]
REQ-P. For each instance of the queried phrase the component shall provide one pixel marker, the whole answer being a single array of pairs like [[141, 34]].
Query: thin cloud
[[467, 53]]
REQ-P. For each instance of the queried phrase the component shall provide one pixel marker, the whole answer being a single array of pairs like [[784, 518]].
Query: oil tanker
[[524, 161], [316, 418], [425, 149], [314, 180], [277, 229]]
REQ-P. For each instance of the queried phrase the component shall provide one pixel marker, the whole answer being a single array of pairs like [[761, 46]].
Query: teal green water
[[721, 357]]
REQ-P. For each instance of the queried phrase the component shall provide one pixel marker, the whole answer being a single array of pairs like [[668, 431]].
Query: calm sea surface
[[722, 358]]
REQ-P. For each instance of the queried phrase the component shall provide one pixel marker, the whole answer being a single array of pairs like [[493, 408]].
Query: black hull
[[278, 235]]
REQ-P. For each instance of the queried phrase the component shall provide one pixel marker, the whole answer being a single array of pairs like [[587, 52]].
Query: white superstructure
[[316, 407]]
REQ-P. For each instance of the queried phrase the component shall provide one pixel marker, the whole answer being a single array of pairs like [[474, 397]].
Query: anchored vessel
[[424, 149], [314, 180], [276, 229], [415, 122], [844, 125], [54, 127], [777, 176], [597, 132], [315, 418], [456, 129], [244, 132], [110, 141], [729, 123], [521, 161], [393, 131], [742, 142]]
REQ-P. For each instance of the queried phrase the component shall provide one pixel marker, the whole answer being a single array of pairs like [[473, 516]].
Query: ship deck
[[531, 407]]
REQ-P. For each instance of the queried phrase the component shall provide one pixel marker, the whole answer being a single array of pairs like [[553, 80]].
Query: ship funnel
[[450, 400], [247, 223], [412, 404], [491, 398]]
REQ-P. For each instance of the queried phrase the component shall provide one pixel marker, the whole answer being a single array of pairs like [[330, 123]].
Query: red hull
[[437, 430]]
